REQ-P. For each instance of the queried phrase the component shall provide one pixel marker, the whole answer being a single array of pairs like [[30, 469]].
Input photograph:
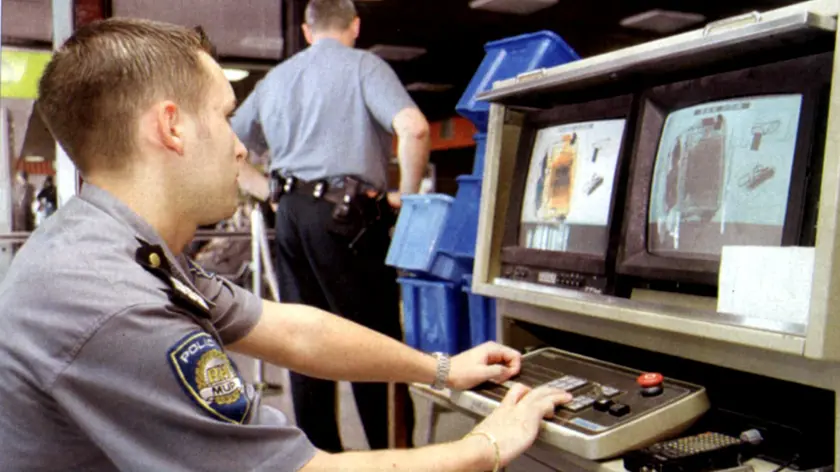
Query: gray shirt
[[325, 112], [109, 361]]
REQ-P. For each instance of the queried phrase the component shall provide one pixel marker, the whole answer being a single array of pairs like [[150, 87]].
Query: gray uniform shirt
[[325, 112], [107, 364]]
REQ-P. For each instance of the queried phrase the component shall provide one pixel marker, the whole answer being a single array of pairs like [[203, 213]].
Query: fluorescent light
[[235, 75]]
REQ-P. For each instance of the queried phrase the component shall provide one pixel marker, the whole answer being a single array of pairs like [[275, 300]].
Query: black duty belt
[[348, 195], [355, 209], [319, 189]]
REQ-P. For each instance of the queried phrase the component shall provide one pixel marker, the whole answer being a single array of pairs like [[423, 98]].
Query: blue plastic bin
[[461, 228], [433, 315], [417, 232], [417, 235], [482, 315], [507, 58], [480, 149]]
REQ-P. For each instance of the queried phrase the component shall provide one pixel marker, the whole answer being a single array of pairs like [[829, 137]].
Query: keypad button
[[568, 383], [619, 409], [608, 391], [603, 404], [579, 403]]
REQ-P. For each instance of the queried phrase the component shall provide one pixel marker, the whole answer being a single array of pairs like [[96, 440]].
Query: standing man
[[327, 116]]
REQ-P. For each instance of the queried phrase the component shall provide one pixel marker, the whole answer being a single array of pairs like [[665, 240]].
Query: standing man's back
[[328, 111], [327, 117]]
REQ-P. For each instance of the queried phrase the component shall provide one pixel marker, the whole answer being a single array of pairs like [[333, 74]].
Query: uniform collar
[[329, 42], [105, 201]]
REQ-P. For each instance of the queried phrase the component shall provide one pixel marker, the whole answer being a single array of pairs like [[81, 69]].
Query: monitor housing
[[732, 158], [563, 225]]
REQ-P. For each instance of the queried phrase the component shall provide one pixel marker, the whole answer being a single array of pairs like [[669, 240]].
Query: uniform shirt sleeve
[[383, 92], [247, 125], [236, 310], [155, 392]]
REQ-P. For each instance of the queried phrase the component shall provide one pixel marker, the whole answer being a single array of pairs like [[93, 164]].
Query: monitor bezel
[[608, 108], [784, 77]]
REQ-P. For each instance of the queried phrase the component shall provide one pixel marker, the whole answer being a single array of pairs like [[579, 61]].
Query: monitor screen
[[722, 176], [568, 194]]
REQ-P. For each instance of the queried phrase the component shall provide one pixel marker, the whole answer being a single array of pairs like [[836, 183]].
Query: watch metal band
[[442, 370]]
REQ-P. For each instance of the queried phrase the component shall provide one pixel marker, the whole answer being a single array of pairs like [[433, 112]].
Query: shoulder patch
[[209, 377]]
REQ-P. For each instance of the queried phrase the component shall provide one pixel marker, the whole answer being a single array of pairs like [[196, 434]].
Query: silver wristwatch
[[442, 370]]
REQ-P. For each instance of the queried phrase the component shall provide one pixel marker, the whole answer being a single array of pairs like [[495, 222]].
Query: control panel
[[615, 409], [589, 283]]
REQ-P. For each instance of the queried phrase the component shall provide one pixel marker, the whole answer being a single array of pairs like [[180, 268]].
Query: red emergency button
[[649, 379]]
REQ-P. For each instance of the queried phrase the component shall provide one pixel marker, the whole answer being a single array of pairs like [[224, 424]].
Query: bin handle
[[750, 18], [534, 74]]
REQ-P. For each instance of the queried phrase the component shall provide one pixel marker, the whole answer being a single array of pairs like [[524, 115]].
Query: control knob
[[651, 383]]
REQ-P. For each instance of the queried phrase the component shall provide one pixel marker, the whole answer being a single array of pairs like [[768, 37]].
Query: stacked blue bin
[[435, 236], [434, 317]]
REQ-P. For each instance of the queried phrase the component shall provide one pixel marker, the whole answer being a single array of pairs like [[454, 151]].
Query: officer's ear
[[307, 33], [170, 126], [356, 27]]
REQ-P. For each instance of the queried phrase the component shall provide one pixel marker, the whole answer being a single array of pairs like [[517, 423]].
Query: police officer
[[114, 346], [327, 116]]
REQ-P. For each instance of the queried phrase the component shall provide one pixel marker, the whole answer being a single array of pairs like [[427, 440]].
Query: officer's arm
[[320, 344], [254, 182], [413, 145], [473, 453], [154, 391], [246, 123], [391, 105]]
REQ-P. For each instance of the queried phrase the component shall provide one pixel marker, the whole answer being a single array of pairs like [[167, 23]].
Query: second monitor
[[724, 160]]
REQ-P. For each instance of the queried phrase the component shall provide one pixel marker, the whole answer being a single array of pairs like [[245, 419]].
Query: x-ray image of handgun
[[593, 184], [763, 129], [597, 146], [757, 176]]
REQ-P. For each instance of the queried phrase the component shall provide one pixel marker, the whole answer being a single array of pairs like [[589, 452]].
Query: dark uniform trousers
[[316, 267]]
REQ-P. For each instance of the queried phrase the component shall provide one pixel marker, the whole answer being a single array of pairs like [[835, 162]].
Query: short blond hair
[[97, 83], [327, 15]]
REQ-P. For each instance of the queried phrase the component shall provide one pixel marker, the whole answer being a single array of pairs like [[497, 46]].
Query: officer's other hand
[[394, 199], [488, 362], [516, 422]]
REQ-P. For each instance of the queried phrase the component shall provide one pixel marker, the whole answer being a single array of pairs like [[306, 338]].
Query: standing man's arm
[[413, 147], [254, 182], [392, 107], [248, 128]]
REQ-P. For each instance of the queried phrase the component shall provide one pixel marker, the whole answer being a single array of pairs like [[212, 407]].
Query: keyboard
[[615, 409]]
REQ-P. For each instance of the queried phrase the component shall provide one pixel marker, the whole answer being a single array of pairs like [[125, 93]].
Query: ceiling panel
[[27, 20], [243, 28], [454, 34]]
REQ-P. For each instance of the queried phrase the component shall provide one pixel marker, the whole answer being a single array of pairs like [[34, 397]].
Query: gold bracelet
[[492, 439]]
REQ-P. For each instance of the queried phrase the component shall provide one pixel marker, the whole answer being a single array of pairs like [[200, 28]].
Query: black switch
[[603, 404], [619, 409]]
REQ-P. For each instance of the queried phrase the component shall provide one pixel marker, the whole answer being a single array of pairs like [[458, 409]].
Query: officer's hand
[[394, 199], [487, 362], [516, 422]]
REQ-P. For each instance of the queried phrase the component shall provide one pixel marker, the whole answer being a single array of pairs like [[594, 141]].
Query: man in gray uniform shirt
[[326, 116], [114, 347]]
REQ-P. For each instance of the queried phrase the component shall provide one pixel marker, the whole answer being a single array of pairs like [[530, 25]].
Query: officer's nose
[[241, 151]]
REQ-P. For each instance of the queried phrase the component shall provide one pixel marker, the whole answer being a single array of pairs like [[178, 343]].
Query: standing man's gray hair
[[327, 15]]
